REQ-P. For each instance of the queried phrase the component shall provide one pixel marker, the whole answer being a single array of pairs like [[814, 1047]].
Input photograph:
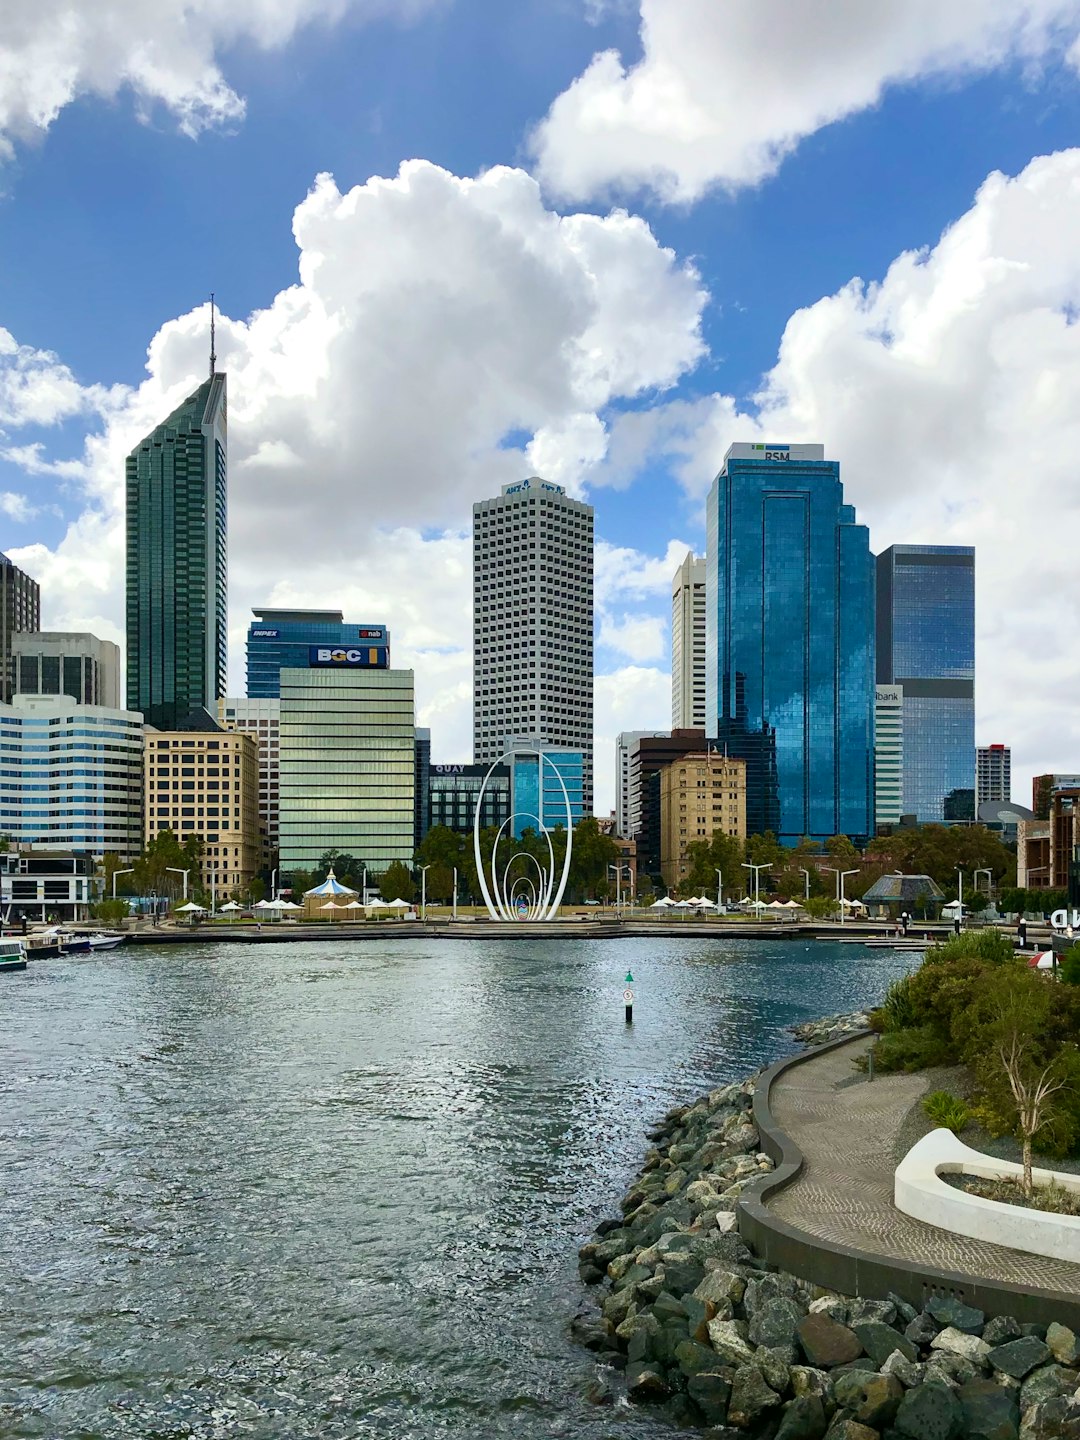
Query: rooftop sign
[[524, 486], [774, 450]]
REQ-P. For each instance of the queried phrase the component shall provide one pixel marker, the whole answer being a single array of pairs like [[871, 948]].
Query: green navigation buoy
[[629, 978]]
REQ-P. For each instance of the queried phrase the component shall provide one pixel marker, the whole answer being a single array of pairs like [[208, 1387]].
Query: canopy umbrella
[[190, 909], [375, 904], [231, 905], [1043, 961], [331, 905], [330, 886], [397, 904], [704, 903], [265, 905], [353, 905], [286, 905], [663, 903], [793, 905], [776, 905]]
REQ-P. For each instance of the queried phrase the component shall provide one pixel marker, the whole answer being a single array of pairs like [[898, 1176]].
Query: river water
[[304, 1191]]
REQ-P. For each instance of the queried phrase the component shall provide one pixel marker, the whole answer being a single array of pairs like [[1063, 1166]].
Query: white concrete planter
[[918, 1191]]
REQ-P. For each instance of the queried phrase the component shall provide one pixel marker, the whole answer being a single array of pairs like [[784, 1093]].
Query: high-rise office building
[[347, 766], [72, 775], [421, 785], [791, 640], [205, 782], [926, 645], [624, 743], [298, 639], [700, 795], [888, 755], [544, 783], [177, 573], [57, 662], [20, 609], [260, 719], [650, 753], [688, 622], [533, 622], [453, 793], [993, 773]]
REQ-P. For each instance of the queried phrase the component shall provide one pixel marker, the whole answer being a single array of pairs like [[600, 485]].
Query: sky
[[458, 242]]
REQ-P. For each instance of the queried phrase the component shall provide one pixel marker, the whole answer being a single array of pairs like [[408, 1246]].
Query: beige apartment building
[[699, 795], [206, 783]]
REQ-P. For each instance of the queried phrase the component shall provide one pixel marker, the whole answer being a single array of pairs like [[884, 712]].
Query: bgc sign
[[368, 657]]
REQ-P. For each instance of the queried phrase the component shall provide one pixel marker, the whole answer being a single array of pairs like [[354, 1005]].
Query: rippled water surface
[[302, 1190]]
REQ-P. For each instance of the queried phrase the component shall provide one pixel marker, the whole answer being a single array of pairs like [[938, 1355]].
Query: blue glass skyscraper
[[301, 639], [790, 641], [926, 644]]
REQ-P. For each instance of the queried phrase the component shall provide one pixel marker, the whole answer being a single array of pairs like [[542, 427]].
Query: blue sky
[[440, 329]]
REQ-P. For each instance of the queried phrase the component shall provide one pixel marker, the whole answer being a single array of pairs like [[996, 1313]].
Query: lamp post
[[455, 892], [757, 884], [273, 884], [618, 881], [984, 870], [720, 892], [115, 873], [841, 876], [806, 872], [960, 892], [185, 873], [423, 889]]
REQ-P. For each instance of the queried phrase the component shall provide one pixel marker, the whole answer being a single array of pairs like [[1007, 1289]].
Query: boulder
[[861, 1310], [1000, 1330], [640, 1320], [960, 1342], [1056, 1419], [616, 1307], [930, 1412], [805, 1380], [590, 1274], [825, 1343], [953, 1369], [693, 1358], [1019, 1357], [728, 1339], [1063, 1344], [682, 1276], [750, 1398], [640, 1345], [955, 1314], [709, 1392], [880, 1340], [922, 1329], [804, 1419], [725, 1220], [775, 1323], [871, 1399], [906, 1372], [844, 1428], [990, 1412], [1045, 1384], [763, 1288], [617, 1243], [592, 1331], [905, 1313], [719, 1286], [835, 1306], [775, 1365], [645, 1383], [598, 1392], [666, 1307]]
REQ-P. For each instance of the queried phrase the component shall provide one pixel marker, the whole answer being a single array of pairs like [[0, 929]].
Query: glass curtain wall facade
[[454, 789], [282, 639], [790, 641], [926, 644], [71, 776], [177, 563], [536, 794], [67, 663], [346, 770], [20, 609]]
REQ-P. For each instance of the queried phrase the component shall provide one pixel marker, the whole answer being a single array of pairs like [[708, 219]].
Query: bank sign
[[363, 657]]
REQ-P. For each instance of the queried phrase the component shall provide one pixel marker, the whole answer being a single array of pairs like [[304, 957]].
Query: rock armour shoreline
[[691, 1322]]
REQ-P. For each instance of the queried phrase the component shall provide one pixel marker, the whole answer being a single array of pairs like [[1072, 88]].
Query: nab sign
[[366, 657]]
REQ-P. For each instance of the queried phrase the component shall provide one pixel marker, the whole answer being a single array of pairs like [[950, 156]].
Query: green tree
[[347, 869], [154, 872], [840, 847], [397, 883], [593, 851], [820, 907], [440, 883], [721, 852], [112, 912]]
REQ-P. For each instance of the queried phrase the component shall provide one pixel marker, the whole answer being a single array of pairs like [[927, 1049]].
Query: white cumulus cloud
[[164, 51], [725, 89]]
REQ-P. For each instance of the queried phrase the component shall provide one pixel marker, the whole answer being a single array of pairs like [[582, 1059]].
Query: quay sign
[[367, 657], [1061, 920]]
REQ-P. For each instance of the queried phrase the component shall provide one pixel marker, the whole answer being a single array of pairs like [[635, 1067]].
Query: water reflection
[[322, 1192]]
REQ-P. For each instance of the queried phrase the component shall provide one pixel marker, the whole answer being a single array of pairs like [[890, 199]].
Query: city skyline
[[507, 321]]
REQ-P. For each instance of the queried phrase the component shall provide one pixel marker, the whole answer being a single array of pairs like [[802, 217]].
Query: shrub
[[897, 1010], [909, 1050], [947, 1110], [989, 945]]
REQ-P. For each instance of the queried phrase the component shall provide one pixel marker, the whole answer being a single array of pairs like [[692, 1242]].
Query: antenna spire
[[213, 357]]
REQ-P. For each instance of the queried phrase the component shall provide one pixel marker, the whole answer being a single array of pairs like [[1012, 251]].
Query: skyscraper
[[993, 774], [62, 662], [888, 755], [624, 742], [688, 624], [791, 640], [278, 639], [926, 644], [533, 622], [177, 561], [20, 609]]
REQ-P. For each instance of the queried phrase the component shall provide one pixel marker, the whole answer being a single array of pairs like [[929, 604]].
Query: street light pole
[[960, 894], [115, 873], [841, 876], [984, 870], [757, 884], [423, 889], [455, 892], [807, 874], [177, 871], [720, 892], [273, 884]]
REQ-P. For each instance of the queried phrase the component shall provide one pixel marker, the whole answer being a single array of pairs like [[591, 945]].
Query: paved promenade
[[847, 1130]]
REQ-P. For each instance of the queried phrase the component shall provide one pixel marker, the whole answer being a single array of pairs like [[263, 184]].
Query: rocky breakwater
[[693, 1323]]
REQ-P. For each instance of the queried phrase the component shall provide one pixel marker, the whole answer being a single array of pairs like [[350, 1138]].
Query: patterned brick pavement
[[847, 1131]]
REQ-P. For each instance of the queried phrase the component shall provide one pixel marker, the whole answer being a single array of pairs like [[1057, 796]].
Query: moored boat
[[12, 955]]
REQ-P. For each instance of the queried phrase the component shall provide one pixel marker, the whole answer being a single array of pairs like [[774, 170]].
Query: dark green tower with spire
[[177, 562]]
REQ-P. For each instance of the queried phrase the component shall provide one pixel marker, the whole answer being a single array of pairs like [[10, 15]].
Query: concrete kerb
[[850, 1271]]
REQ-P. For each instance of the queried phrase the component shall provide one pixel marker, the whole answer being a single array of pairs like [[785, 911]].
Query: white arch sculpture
[[540, 903]]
